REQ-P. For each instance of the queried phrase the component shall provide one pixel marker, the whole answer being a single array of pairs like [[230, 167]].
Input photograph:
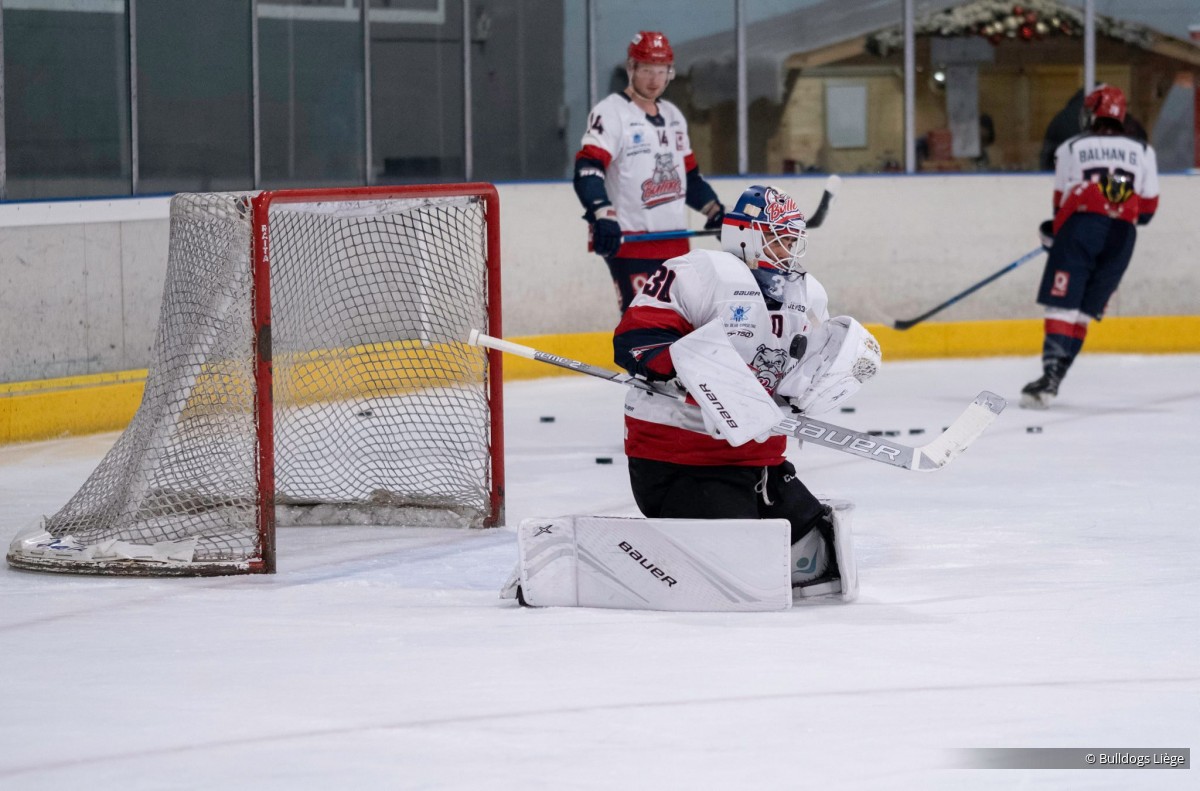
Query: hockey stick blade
[[832, 185], [930, 457], [925, 458]]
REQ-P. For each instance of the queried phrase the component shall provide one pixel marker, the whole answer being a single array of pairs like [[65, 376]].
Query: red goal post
[[310, 366]]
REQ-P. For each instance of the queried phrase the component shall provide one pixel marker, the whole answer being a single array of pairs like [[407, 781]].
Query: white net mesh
[[381, 412]]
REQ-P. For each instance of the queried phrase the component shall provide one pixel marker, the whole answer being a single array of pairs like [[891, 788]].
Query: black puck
[[604, 459], [1033, 429], [916, 431], [891, 433], [847, 409], [546, 418], [365, 413], [875, 433]]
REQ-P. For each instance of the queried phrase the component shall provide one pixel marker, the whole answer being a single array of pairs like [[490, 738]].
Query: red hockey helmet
[[649, 46], [1105, 101]]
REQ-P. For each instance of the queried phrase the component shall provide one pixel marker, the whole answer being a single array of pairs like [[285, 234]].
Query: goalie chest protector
[[760, 321]]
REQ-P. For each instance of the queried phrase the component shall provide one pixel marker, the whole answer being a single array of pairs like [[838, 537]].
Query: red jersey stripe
[[658, 442], [596, 153]]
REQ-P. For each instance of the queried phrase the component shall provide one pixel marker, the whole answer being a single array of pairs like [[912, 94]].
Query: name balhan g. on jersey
[[1086, 159]]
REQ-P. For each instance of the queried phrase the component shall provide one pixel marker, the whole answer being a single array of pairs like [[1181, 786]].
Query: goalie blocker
[[682, 565]]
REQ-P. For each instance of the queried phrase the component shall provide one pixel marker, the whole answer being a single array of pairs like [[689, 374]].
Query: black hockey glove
[[1046, 232], [606, 233], [715, 213]]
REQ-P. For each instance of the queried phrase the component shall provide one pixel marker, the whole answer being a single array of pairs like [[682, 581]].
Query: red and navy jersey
[[646, 161], [1085, 161], [762, 311]]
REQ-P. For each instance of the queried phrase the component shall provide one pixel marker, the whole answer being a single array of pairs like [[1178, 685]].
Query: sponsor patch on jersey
[[746, 293], [739, 313]]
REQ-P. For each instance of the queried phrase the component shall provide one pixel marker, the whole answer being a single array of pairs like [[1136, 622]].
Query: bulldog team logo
[[768, 365], [665, 185]]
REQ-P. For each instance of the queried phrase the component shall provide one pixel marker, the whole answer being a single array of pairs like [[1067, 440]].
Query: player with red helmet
[[1105, 183], [635, 171]]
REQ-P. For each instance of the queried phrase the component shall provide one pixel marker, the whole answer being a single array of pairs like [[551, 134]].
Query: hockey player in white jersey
[[636, 173], [1105, 183], [770, 309]]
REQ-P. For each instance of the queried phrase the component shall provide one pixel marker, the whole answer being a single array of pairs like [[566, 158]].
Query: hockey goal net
[[310, 365]]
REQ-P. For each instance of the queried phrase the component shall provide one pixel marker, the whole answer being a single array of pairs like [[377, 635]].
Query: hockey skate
[[1039, 393], [828, 584]]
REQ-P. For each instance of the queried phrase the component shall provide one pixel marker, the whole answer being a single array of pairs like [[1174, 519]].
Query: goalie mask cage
[[310, 366]]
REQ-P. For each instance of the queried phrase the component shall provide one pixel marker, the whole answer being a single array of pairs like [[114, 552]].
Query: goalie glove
[[841, 355]]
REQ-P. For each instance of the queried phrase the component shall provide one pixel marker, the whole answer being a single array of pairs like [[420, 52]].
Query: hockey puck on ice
[[916, 431], [365, 413], [546, 418], [847, 409], [1033, 429], [891, 433], [875, 433], [604, 459]]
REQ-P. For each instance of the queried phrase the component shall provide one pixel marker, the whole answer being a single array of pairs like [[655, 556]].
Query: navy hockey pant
[[663, 490], [1086, 263]]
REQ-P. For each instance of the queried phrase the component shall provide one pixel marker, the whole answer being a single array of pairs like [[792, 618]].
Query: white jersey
[[687, 293], [1084, 158], [646, 161]]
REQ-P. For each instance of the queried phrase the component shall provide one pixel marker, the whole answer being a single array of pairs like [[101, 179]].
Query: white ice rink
[[1042, 591]]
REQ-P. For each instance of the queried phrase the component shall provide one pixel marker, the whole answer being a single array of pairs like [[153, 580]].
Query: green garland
[[1001, 20]]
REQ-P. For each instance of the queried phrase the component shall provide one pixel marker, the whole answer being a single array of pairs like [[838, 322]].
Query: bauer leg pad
[[843, 583], [699, 565]]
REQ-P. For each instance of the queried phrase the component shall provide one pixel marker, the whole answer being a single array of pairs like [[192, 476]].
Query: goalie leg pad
[[845, 584], [509, 589], [810, 558], [683, 565]]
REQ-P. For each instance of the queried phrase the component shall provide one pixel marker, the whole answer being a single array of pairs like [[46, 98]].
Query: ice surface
[[1041, 591]]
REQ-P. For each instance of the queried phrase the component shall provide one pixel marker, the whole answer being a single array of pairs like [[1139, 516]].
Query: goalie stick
[[832, 184], [929, 457]]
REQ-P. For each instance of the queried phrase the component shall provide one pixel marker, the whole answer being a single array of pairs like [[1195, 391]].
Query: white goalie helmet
[[766, 227]]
